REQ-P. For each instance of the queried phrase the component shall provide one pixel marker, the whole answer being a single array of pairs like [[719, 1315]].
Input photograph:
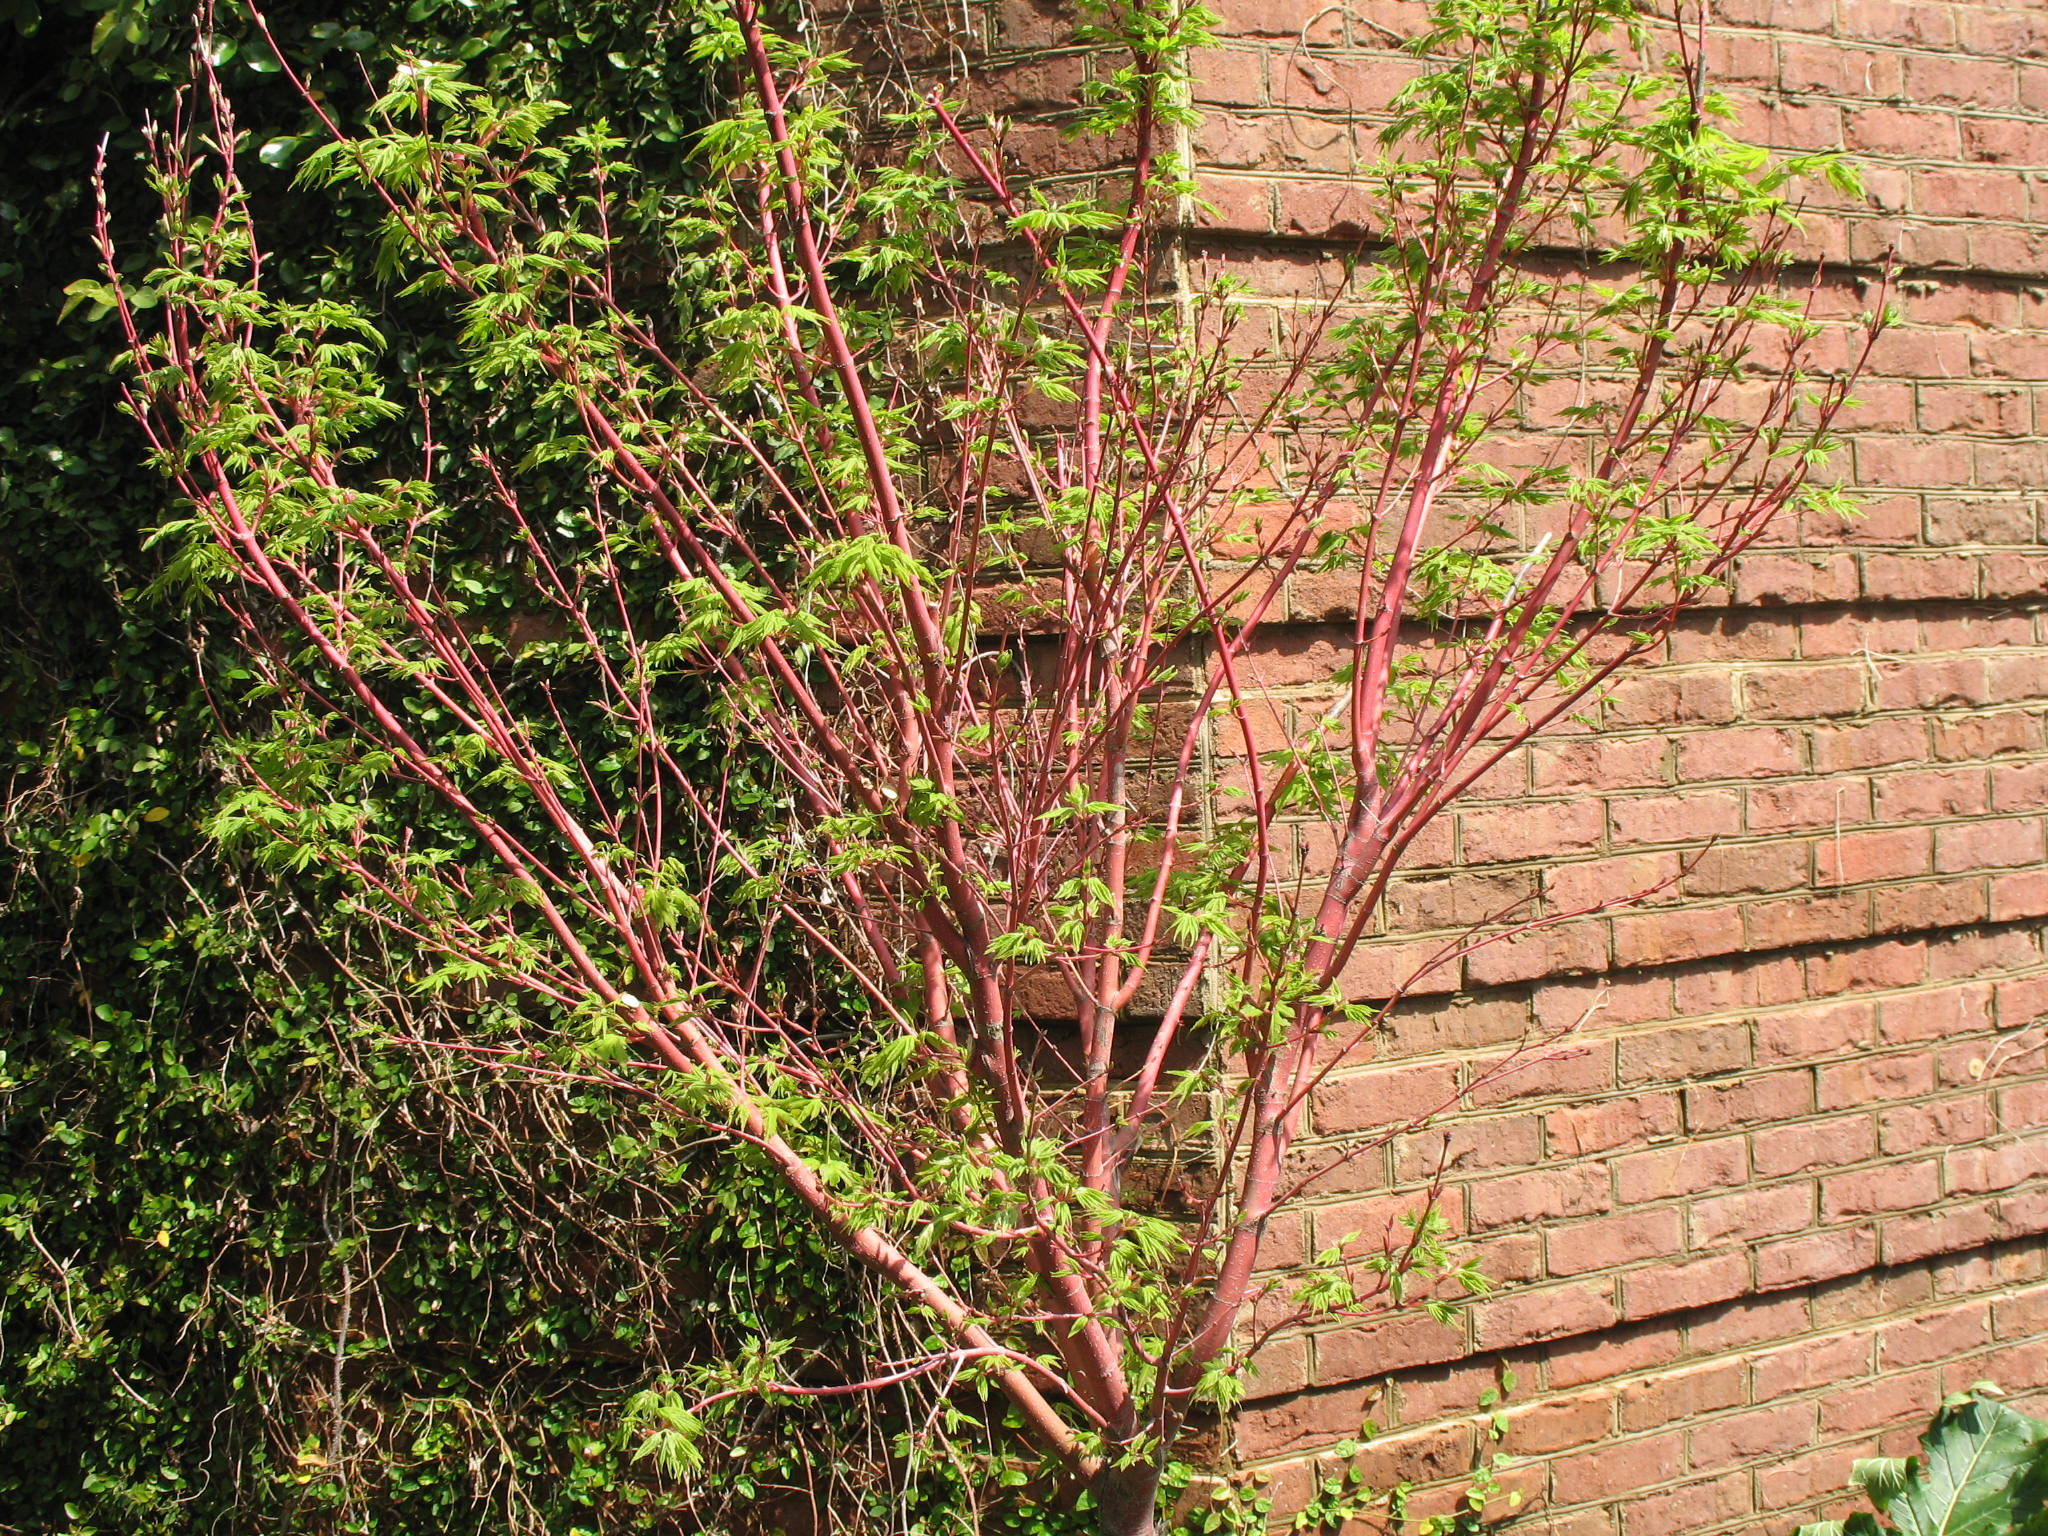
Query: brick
[[1978, 1170], [1824, 1362], [1563, 767], [1804, 693], [1884, 1077], [1458, 900], [1928, 904], [1956, 955], [1877, 744], [1895, 963], [1612, 1241], [1615, 1469], [1380, 971], [1469, 1145], [1753, 1100], [1521, 832], [1741, 981], [1659, 938], [1302, 1421], [1943, 1123], [1751, 1213], [1576, 1130], [1555, 949], [1671, 1396], [1935, 683], [1545, 1195], [1690, 817], [1805, 806], [1894, 1187], [2018, 786], [1856, 857], [1933, 80], [1704, 698], [1994, 844], [1665, 1288], [1384, 1096], [1909, 1239], [1929, 794], [1682, 1053], [1745, 869], [1983, 736], [1765, 580], [1753, 1320], [1807, 920], [1746, 1436], [2019, 895], [1918, 1340], [1898, 1399], [1527, 1317], [1360, 1351], [1680, 1511], [1936, 1015], [1801, 1261], [1561, 1423], [1686, 1169], [1891, 131], [1805, 1033], [1806, 1148], [1619, 1352], [1740, 754], [1280, 1366], [2021, 1001], [2022, 1215], [2019, 1315], [1444, 1391]]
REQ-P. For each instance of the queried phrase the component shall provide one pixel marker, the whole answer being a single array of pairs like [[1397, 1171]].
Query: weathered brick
[[1576, 1130], [1671, 1396], [1805, 1033], [1664, 1288], [1751, 1213], [1662, 938], [1561, 1423], [1540, 1196], [1612, 1241], [1917, 1340], [1954, 1228], [1800, 1261], [1894, 1187], [1681, 1054], [1754, 1100], [1616, 1469], [1525, 1317], [1823, 1362], [1681, 1510], [1745, 1436], [1685, 1169], [1385, 1095], [1831, 1143]]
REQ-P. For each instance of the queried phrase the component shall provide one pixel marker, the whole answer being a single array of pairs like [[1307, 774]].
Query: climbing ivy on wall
[[263, 1265]]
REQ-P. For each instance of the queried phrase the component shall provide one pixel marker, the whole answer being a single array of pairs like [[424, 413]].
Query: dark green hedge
[[215, 1165]]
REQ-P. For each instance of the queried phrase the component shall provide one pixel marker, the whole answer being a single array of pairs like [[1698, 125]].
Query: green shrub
[[1984, 1472]]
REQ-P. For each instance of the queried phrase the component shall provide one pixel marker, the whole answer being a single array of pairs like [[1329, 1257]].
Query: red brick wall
[[1788, 1184], [1785, 1188]]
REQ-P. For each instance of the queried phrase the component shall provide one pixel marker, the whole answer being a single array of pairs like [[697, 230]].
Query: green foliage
[[1983, 1471], [573, 487], [209, 1135]]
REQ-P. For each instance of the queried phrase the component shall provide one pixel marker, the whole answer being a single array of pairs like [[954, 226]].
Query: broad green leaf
[[1984, 1473]]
